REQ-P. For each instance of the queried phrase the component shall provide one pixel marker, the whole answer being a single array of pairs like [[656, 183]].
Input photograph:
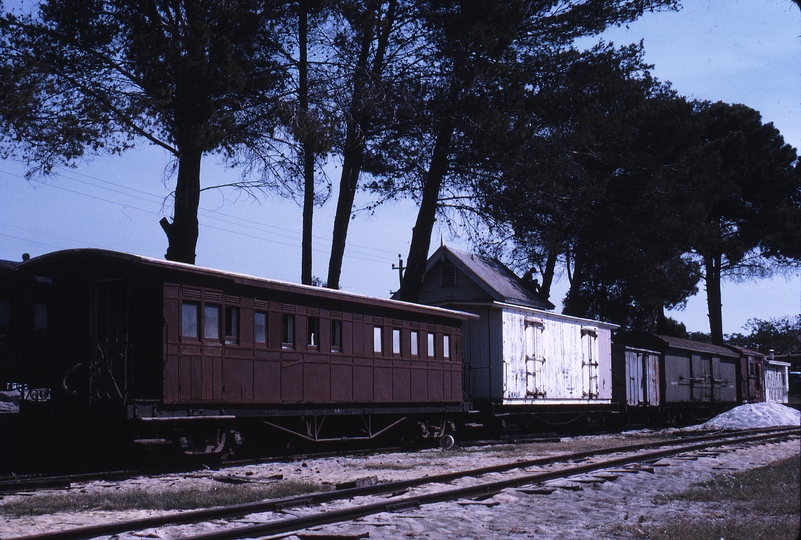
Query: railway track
[[397, 496], [11, 483]]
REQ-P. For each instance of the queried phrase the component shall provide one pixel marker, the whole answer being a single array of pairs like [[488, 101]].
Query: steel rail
[[24, 482], [275, 505], [479, 490]]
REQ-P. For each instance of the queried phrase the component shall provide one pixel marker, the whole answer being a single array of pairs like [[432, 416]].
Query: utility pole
[[400, 268]]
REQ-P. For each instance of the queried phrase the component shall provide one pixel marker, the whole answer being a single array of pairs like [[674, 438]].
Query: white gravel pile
[[9, 402], [754, 415]]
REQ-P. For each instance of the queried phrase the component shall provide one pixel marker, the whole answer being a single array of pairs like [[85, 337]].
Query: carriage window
[[40, 316], [415, 348], [378, 339], [288, 331], [189, 319], [431, 348], [313, 332], [231, 325], [211, 322], [260, 327], [396, 341], [336, 335], [446, 346], [5, 313]]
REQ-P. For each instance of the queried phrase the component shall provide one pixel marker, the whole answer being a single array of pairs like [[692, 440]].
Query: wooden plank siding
[[368, 367], [550, 359]]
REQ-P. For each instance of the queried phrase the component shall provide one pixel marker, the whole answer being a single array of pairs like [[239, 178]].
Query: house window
[[189, 320], [211, 321], [313, 332], [448, 274], [396, 341], [415, 346], [431, 348], [446, 346], [378, 335], [5, 313], [288, 331], [260, 327], [231, 325], [336, 335]]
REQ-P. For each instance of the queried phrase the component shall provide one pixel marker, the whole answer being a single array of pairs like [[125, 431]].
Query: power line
[[356, 251]]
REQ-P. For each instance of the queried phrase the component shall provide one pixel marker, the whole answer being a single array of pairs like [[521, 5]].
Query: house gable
[[454, 276], [445, 283]]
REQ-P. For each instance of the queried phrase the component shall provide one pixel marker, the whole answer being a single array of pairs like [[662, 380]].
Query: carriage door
[[651, 376], [109, 341], [634, 378], [715, 380], [534, 357], [634, 389], [589, 363], [727, 380], [701, 378]]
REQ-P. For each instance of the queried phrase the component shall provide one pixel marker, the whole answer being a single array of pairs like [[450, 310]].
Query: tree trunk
[[308, 215], [352, 159], [307, 151], [574, 304], [547, 275], [713, 297], [412, 282], [348, 182], [182, 233], [353, 154]]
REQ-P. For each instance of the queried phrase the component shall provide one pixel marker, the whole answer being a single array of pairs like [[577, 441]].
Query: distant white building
[[518, 352]]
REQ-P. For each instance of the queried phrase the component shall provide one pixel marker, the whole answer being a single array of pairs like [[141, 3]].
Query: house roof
[[492, 276]]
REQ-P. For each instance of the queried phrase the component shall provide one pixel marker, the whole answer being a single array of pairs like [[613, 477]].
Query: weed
[[761, 503], [148, 499]]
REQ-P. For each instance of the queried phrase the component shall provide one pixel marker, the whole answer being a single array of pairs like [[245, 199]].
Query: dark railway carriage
[[794, 378], [637, 382], [164, 345], [23, 326], [695, 380], [751, 388]]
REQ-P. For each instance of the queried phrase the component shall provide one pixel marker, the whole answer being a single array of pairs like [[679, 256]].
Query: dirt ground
[[619, 508]]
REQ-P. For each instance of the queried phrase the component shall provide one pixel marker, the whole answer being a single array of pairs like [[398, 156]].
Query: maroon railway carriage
[[192, 355]]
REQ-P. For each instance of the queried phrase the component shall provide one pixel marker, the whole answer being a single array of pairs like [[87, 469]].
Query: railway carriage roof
[[58, 258], [652, 341], [681, 343], [745, 351]]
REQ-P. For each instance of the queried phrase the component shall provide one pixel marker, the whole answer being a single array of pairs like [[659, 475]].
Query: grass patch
[[776, 487], [161, 499], [761, 503]]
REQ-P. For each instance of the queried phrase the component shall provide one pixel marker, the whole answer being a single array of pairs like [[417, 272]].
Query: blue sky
[[737, 51]]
